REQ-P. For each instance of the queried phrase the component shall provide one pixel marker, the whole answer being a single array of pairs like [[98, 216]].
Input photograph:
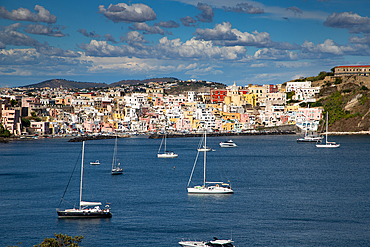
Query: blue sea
[[285, 193]]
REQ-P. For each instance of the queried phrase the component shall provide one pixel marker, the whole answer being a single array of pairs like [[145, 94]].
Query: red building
[[218, 95]]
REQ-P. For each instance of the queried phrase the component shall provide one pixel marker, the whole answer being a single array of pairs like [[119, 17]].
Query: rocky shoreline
[[214, 134], [99, 137], [349, 133]]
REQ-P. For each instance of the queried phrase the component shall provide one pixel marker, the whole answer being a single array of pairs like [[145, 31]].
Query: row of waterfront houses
[[56, 111], [240, 109]]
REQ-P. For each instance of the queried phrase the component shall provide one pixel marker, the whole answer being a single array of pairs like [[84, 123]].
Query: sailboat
[[309, 138], [116, 169], [203, 148], [327, 144], [207, 187], [85, 209], [166, 153]]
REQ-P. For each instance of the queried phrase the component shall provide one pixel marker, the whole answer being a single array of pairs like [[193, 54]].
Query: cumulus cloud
[[10, 36], [295, 10], [166, 49], [207, 13], [48, 50], [331, 49], [22, 14], [275, 54], [134, 38], [220, 32], [360, 40], [25, 62], [188, 21], [349, 20], [122, 12], [88, 34], [244, 8], [224, 35], [167, 24], [147, 29], [110, 38], [103, 49], [45, 30], [197, 49]]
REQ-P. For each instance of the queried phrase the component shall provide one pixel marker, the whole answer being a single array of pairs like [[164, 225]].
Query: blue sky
[[246, 42]]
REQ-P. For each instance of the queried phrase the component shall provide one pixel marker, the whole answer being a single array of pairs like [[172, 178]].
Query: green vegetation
[[319, 77], [4, 132], [60, 240], [35, 117], [338, 80], [334, 105], [289, 95], [25, 122]]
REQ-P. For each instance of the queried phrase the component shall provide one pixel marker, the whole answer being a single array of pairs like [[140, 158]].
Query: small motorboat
[[213, 243], [95, 163], [228, 144]]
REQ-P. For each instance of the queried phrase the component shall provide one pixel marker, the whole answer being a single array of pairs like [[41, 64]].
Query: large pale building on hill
[[363, 70]]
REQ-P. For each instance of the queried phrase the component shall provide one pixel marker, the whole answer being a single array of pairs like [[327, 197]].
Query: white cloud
[[147, 29], [122, 12], [224, 35], [22, 14], [349, 20]]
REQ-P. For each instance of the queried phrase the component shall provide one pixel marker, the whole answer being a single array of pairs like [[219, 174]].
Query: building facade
[[363, 70]]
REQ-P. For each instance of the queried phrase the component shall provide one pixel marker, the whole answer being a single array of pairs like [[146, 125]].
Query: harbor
[[285, 194]]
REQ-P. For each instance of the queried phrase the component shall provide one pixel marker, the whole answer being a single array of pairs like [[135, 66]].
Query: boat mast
[[114, 154], [82, 170], [326, 133], [165, 140], [205, 157]]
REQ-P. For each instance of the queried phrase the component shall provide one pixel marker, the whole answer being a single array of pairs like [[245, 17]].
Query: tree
[[61, 240], [4, 132], [25, 122]]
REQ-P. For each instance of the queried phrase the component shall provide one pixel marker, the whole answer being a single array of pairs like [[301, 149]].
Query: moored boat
[[228, 144], [207, 187], [94, 163], [213, 243], [85, 209]]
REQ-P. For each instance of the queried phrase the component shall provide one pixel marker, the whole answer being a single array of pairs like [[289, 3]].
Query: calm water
[[286, 194]]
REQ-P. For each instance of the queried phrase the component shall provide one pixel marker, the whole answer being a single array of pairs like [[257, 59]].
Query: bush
[[4, 132], [338, 81], [61, 240]]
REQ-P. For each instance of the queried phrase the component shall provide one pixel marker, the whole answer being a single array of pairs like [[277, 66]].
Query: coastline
[[348, 133], [181, 135]]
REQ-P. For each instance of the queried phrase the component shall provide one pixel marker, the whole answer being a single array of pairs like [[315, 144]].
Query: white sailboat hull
[[167, 155], [328, 145], [209, 190], [220, 243]]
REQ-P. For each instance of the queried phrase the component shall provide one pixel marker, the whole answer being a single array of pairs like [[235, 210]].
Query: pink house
[[183, 124], [310, 113], [244, 118], [90, 126], [106, 127]]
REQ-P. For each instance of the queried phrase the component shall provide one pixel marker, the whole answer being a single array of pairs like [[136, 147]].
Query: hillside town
[[148, 108]]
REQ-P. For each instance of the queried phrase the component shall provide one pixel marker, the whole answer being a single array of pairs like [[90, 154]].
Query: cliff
[[348, 102]]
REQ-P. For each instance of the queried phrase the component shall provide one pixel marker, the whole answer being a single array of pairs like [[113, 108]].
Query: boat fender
[[217, 185]]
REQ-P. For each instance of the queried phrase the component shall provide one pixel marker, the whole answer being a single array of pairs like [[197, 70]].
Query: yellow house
[[260, 93], [291, 108], [251, 99], [228, 120]]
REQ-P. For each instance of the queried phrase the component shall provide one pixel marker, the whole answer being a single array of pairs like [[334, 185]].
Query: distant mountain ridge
[[56, 83]]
